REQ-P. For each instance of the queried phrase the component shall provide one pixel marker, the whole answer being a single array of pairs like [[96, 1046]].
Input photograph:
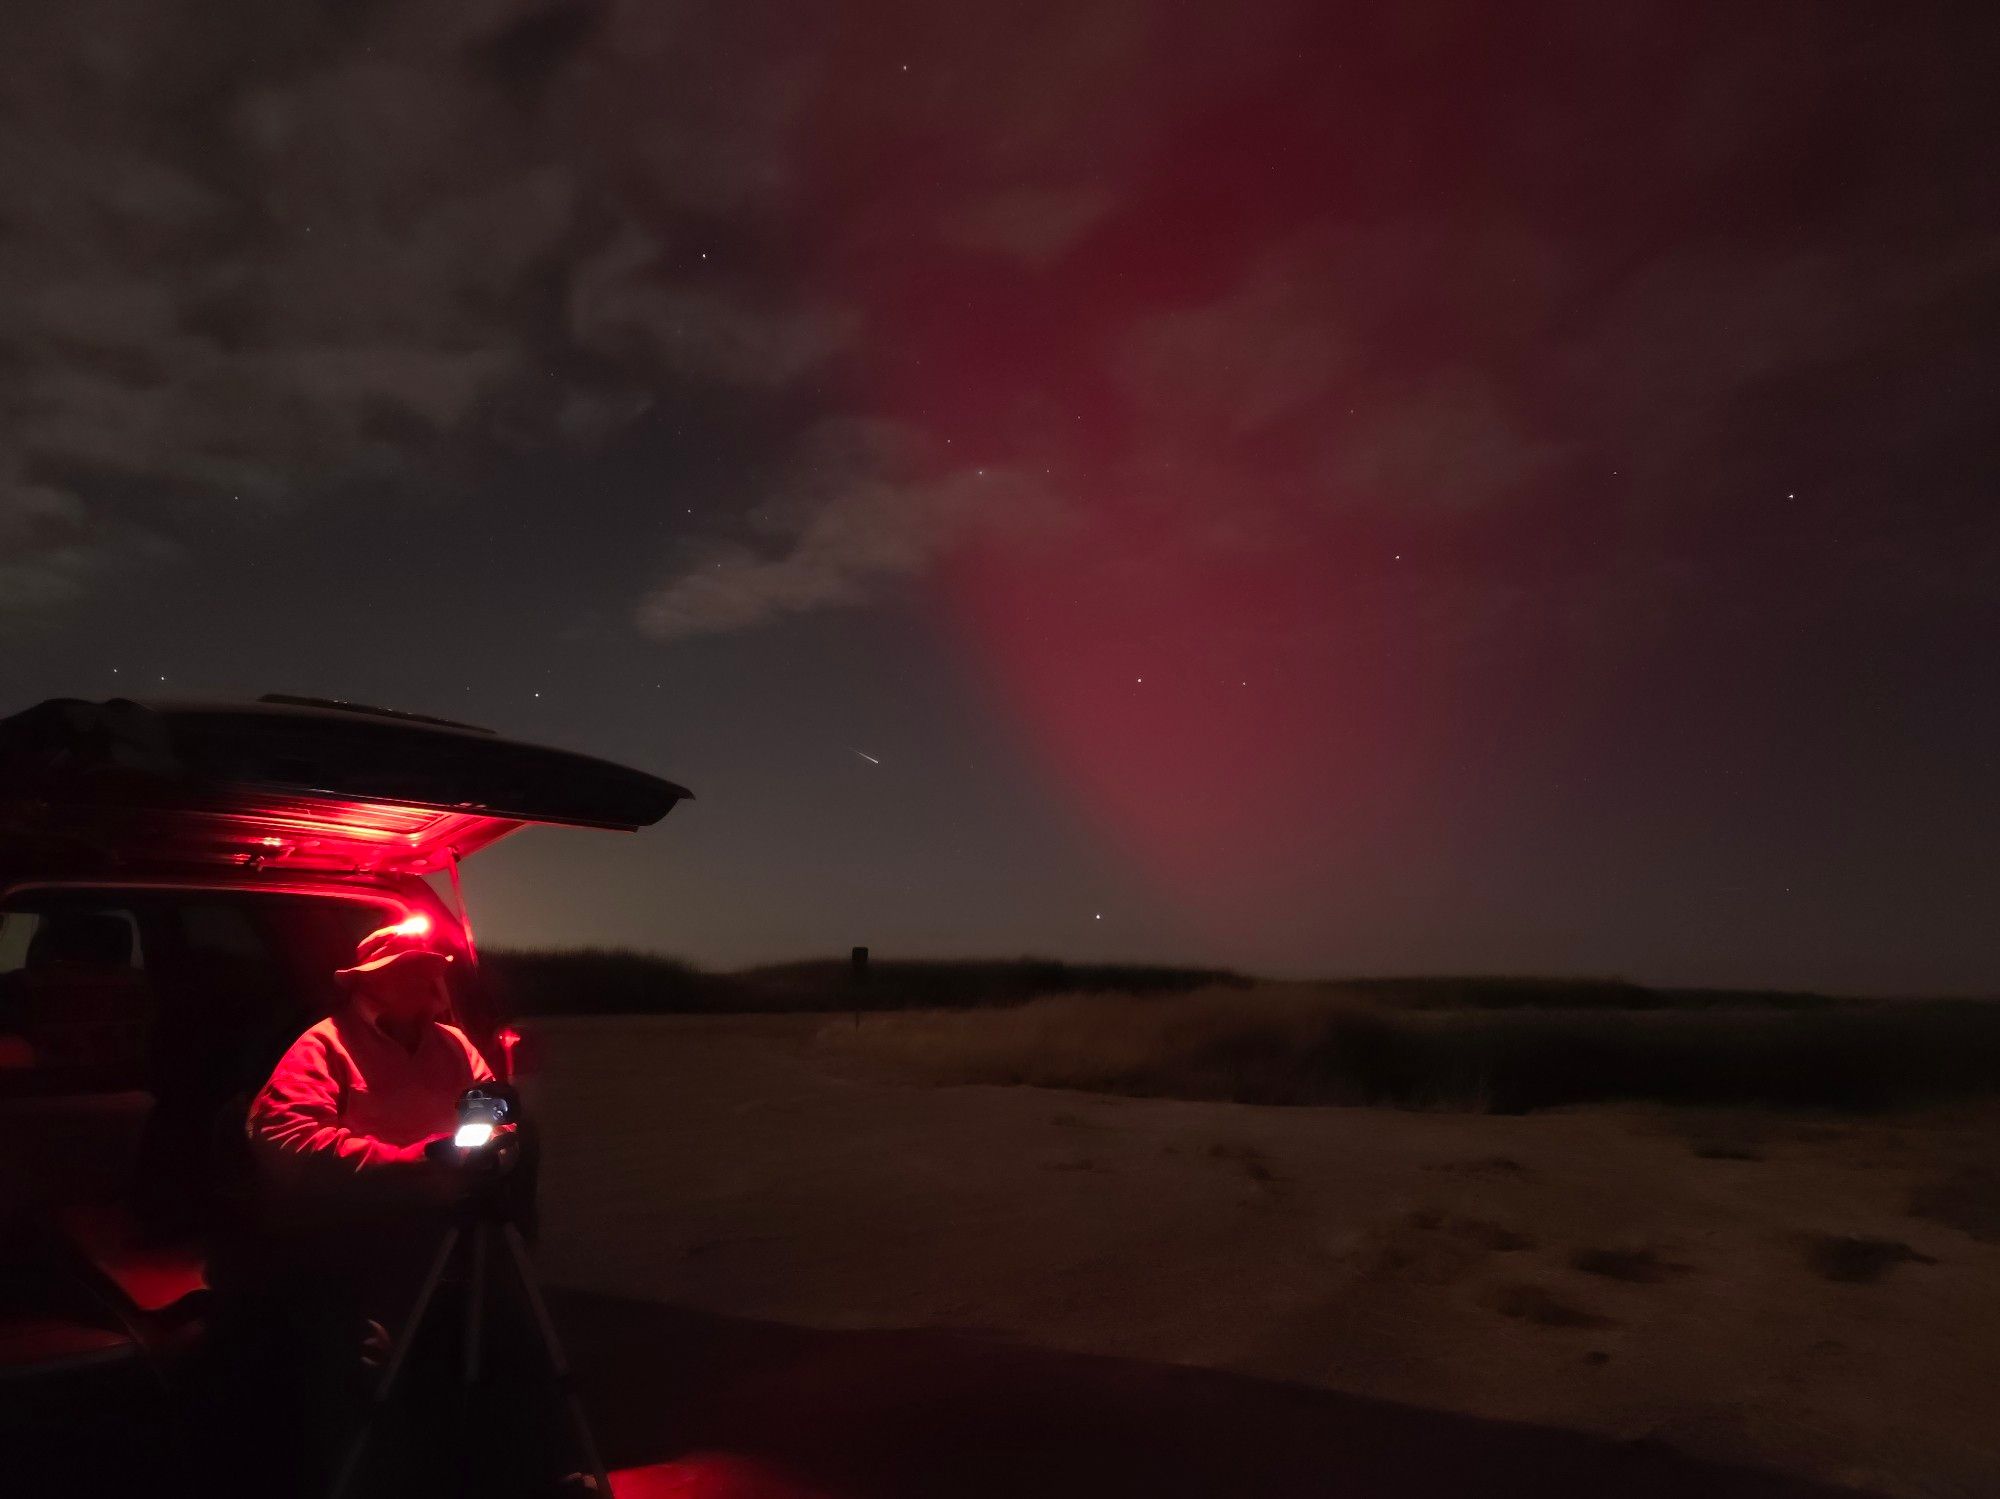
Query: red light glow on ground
[[711, 1475]]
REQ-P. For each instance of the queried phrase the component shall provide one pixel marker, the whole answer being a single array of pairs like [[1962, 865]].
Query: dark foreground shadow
[[783, 1411]]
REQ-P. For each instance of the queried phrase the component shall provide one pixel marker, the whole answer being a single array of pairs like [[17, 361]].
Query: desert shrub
[[1858, 1261], [1537, 1304], [1326, 1045], [1431, 1247], [1727, 1150], [1627, 1262]]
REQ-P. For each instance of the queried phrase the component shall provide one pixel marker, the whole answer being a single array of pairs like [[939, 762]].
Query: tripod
[[482, 1226]]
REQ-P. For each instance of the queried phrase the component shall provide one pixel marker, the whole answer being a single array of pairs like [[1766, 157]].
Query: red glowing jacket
[[348, 1100]]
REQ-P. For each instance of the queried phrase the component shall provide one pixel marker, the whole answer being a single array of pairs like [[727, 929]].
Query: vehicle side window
[[17, 930], [76, 1010]]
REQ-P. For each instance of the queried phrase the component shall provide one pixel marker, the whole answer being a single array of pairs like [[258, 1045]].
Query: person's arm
[[480, 1072], [295, 1123]]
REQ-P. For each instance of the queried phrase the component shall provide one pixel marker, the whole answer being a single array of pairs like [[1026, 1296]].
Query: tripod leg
[[524, 1272], [468, 1371], [420, 1309], [475, 1306]]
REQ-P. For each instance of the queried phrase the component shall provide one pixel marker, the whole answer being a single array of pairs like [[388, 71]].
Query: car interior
[[135, 1024]]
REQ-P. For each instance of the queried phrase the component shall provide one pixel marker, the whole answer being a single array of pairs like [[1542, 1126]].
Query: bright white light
[[472, 1136]]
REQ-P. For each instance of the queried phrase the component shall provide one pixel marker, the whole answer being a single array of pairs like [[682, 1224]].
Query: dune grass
[[1341, 1044], [604, 981], [1500, 1044]]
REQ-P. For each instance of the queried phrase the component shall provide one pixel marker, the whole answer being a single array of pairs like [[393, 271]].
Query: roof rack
[[288, 700]]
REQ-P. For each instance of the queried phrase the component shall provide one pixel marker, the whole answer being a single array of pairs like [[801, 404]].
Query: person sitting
[[362, 1095], [350, 1140]]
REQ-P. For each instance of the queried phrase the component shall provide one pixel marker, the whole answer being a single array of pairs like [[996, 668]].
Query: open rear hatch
[[286, 784]]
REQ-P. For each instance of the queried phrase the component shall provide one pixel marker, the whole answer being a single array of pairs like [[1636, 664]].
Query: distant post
[[857, 980]]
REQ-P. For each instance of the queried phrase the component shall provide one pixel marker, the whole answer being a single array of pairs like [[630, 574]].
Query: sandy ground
[[731, 1166]]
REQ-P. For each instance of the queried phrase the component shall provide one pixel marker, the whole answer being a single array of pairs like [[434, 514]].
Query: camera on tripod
[[482, 1113], [482, 1144], [483, 1239]]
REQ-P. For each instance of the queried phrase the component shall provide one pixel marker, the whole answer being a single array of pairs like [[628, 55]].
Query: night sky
[[1418, 487]]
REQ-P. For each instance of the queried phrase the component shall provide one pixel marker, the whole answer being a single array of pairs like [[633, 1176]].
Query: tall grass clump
[[1339, 1045]]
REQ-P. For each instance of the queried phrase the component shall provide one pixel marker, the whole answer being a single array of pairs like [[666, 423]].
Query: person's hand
[[497, 1155], [439, 1151]]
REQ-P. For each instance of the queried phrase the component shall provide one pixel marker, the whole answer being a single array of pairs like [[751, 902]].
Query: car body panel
[[178, 788]]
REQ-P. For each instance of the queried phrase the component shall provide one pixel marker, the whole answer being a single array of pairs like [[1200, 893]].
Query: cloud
[[1295, 385], [1272, 346], [1449, 446], [248, 255], [52, 550], [251, 252], [620, 303], [865, 505], [1033, 225]]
